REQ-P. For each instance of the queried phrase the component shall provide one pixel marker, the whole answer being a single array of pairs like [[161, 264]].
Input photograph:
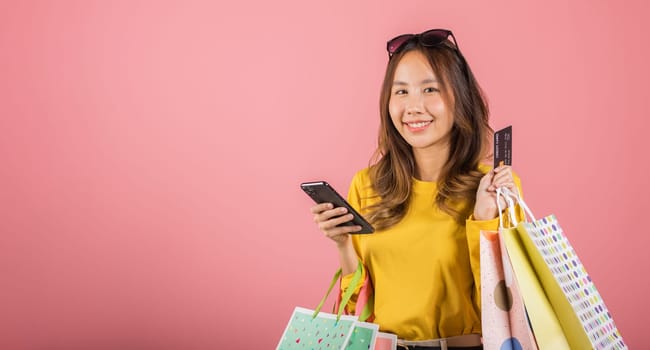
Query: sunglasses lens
[[430, 38], [434, 37], [397, 42]]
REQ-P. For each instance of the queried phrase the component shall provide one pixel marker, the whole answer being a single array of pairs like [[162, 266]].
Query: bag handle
[[521, 203], [356, 278], [509, 205], [509, 196], [367, 311]]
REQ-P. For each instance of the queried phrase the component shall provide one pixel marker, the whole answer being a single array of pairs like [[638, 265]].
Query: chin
[[422, 143]]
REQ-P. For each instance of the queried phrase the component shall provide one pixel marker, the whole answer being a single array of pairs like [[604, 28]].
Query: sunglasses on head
[[429, 38]]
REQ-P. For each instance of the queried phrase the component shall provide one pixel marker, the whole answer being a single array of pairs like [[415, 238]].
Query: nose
[[414, 104]]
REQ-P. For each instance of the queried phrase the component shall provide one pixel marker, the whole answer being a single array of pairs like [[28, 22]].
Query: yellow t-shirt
[[425, 269]]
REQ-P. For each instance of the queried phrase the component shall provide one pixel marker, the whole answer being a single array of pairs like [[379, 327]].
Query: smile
[[417, 126]]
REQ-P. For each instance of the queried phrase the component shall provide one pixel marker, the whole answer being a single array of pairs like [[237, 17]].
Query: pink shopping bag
[[503, 316]]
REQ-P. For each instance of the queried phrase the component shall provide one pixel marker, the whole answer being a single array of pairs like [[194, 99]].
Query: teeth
[[418, 125]]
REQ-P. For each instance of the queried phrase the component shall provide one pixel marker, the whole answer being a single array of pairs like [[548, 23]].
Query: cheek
[[436, 105], [395, 110]]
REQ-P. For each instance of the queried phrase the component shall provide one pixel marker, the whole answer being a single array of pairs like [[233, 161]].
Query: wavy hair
[[393, 163]]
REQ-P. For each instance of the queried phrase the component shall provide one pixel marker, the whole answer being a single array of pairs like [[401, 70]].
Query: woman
[[427, 195]]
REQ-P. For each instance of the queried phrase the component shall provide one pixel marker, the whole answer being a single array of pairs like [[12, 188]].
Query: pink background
[[151, 154]]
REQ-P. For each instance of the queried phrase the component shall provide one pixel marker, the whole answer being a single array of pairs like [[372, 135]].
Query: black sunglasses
[[429, 38]]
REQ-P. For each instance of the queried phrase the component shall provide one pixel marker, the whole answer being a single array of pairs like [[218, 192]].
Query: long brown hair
[[392, 173]]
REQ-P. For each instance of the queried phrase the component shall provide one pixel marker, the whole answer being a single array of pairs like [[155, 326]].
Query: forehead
[[413, 66]]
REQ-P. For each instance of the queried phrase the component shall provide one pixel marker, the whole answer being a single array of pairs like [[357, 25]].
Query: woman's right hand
[[328, 218]]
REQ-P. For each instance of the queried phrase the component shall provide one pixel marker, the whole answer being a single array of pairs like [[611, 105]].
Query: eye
[[400, 92], [431, 90]]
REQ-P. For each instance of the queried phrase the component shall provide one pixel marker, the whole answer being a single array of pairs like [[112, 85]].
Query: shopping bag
[[313, 329], [545, 325], [386, 341], [324, 331], [548, 264], [363, 337], [503, 316]]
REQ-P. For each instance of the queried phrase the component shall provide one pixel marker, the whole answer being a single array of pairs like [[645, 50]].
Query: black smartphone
[[322, 192]]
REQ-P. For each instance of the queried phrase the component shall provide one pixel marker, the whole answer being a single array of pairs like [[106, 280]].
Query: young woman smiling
[[427, 195]]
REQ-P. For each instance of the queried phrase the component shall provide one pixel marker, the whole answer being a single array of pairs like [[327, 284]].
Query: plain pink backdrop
[[151, 153]]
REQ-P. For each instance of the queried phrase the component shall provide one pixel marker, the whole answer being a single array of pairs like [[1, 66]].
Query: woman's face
[[416, 104]]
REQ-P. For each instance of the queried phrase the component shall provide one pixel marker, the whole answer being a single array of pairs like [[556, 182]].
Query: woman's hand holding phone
[[337, 219], [329, 218]]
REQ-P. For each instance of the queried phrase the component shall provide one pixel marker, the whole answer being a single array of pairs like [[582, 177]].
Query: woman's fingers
[[319, 208], [502, 183], [501, 172], [329, 224], [503, 178], [488, 177], [341, 230], [329, 218], [328, 214], [485, 182], [324, 211]]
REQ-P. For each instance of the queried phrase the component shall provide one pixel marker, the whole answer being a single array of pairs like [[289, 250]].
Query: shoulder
[[361, 184], [361, 179], [485, 168], [362, 175]]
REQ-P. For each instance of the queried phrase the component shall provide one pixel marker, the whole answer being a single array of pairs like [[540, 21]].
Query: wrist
[[345, 245], [483, 215], [348, 256]]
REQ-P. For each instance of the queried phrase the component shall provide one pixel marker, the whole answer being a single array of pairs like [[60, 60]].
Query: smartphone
[[322, 192]]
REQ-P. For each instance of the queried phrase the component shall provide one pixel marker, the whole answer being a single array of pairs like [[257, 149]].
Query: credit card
[[503, 147]]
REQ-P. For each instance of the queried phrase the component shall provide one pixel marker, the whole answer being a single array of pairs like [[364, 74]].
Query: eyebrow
[[425, 81]]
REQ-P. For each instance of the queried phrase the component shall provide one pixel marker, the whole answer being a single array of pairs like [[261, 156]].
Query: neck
[[429, 162]]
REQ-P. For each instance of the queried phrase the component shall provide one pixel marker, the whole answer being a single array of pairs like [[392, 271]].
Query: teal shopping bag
[[314, 330], [363, 337], [324, 331]]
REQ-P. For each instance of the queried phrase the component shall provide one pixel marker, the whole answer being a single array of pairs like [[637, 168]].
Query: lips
[[419, 125]]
